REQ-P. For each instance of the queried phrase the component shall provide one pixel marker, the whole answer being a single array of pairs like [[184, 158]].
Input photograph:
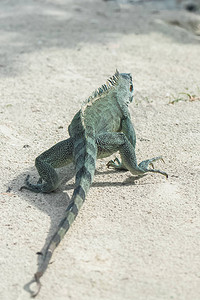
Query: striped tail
[[85, 153]]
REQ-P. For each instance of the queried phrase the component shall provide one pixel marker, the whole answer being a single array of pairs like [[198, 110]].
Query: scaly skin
[[100, 128]]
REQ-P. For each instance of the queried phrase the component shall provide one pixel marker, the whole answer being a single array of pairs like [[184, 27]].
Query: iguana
[[101, 127]]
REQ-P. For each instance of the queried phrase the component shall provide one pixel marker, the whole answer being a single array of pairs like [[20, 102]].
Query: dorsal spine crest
[[111, 83]]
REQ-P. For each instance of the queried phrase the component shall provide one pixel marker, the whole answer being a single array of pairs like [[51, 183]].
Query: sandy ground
[[133, 239]]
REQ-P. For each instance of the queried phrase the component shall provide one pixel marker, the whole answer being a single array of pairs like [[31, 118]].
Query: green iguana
[[101, 127]]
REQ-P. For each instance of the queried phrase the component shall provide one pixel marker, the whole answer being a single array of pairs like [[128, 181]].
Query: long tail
[[85, 153]]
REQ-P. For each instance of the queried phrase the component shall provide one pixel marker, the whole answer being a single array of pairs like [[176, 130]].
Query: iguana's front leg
[[129, 131], [117, 141], [57, 156]]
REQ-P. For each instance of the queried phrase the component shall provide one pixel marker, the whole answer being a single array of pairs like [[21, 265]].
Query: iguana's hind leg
[[117, 141], [57, 156]]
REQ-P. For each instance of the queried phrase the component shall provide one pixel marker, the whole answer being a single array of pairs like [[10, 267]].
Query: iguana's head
[[126, 85], [118, 87]]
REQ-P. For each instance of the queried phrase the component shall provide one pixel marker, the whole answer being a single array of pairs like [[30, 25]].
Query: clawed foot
[[32, 187], [149, 162], [116, 164]]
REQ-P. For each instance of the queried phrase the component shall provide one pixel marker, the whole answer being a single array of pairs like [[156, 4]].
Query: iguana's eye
[[131, 87]]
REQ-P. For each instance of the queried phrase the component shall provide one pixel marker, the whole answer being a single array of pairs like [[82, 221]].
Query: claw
[[152, 165], [108, 165], [158, 171], [113, 163], [27, 178], [29, 186], [149, 162], [26, 182], [117, 160], [156, 158]]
